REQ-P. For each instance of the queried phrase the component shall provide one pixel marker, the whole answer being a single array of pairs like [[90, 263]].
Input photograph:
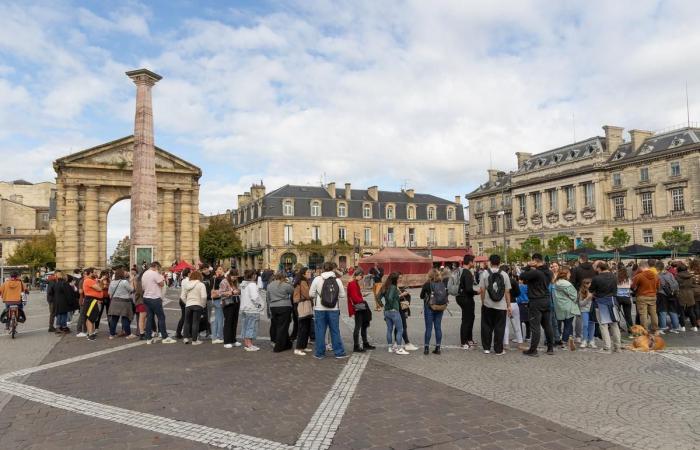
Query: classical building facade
[[311, 224], [646, 185], [26, 210]]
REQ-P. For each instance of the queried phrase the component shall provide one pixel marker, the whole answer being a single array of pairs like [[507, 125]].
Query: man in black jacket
[[537, 277], [465, 300], [582, 271]]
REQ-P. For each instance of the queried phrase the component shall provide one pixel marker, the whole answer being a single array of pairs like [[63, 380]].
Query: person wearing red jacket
[[357, 307]]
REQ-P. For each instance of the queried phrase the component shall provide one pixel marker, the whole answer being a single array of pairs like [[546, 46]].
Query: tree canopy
[[531, 245], [120, 257], [677, 240], [619, 238], [219, 241], [39, 251], [560, 244]]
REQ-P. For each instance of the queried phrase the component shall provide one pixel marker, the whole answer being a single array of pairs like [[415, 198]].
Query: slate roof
[[573, 152], [656, 144], [503, 182]]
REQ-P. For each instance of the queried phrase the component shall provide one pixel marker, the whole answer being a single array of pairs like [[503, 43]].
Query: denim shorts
[[250, 325]]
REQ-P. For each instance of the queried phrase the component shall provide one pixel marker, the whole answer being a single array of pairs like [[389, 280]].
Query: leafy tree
[[588, 244], [531, 245], [661, 245], [619, 238], [514, 254], [39, 251], [560, 244], [219, 241], [120, 257], [677, 240]]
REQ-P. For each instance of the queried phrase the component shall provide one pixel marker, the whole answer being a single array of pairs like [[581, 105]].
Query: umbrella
[[182, 265]]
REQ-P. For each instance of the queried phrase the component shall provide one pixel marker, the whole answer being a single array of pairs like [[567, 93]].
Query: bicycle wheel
[[13, 327]]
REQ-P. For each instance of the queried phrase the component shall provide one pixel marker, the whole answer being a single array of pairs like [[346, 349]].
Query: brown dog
[[645, 342]]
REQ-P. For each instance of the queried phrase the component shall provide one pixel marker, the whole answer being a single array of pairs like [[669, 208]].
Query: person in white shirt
[[195, 293], [327, 296], [251, 307], [495, 298]]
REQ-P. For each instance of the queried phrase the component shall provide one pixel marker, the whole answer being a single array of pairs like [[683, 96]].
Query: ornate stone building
[[647, 185], [310, 224], [26, 210]]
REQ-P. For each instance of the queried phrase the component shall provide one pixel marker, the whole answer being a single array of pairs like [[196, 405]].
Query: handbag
[[360, 306], [304, 309]]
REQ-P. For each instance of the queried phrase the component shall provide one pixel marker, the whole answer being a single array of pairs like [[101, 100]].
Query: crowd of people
[[575, 306]]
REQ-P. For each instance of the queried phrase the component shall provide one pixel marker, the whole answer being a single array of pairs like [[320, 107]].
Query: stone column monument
[[144, 194]]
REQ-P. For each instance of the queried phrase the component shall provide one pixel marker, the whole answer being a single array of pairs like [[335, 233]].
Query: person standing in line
[[465, 300], [554, 269], [92, 287], [139, 306], [195, 304], [251, 307], [514, 317], [217, 326], [377, 277], [181, 302], [433, 319], [565, 305], [208, 280], [523, 303], [537, 277], [152, 282], [279, 300], [231, 301], [81, 327], [405, 313], [327, 299], [391, 303], [359, 309], [494, 290], [686, 297], [120, 291], [585, 302], [666, 299], [305, 310], [106, 300], [623, 296], [51, 281], [65, 299], [646, 283], [604, 290]]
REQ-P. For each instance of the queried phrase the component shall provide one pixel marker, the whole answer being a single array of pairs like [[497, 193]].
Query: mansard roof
[[577, 151], [501, 183], [656, 144]]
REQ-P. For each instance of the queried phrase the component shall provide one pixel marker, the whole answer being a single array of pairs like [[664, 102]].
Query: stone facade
[[90, 182], [26, 210], [647, 185], [274, 228]]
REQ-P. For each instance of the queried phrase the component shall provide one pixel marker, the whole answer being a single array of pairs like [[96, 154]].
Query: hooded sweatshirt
[[580, 273], [11, 291], [646, 283], [195, 293], [317, 287], [251, 303], [279, 294]]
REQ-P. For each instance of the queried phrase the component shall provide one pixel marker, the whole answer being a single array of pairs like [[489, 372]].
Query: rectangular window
[[494, 224], [648, 236], [288, 209], [288, 234], [493, 202], [479, 225], [680, 228], [450, 214], [368, 236], [507, 201], [647, 204], [316, 209], [677, 199], [644, 174], [509, 221], [342, 234], [480, 246], [619, 205], [316, 233], [570, 197], [553, 200], [478, 206], [342, 210], [676, 169], [452, 242], [390, 212], [523, 205], [617, 179], [432, 241], [494, 244], [390, 235], [367, 211], [411, 237], [537, 200], [588, 195]]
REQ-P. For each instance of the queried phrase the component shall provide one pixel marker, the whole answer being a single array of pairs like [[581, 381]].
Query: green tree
[[677, 240], [587, 244], [619, 238], [39, 251], [514, 254], [120, 257], [560, 244], [531, 245], [219, 241]]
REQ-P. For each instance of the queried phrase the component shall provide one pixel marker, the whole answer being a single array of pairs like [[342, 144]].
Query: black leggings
[[360, 329], [181, 322], [305, 327], [231, 321], [466, 329], [193, 314], [688, 312], [626, 304]]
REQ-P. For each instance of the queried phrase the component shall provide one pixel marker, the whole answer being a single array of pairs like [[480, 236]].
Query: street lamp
[[634, 235], [505, 247]]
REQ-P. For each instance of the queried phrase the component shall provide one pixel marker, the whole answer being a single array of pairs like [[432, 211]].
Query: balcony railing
[[412, 244]]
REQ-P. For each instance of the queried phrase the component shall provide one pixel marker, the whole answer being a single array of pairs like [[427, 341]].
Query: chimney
[[638, 137], [257, 191], [410, 193], [494, 175], [330, 188], [243, 199], [613, 138], [348, 191], [458, 199], [522, 157], [373, 193]]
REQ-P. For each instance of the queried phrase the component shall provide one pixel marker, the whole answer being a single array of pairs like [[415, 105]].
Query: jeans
[[588, 327], [393, 321], [154, 306], [626, 304], [282, 316], [328, 320], [193, 316], [80, 327], [432, 319], [361, 325], [493, 328], [647, 306], [62, 320], [540, 315], [181, 322], [112, 322], [305, 324], [404, 325], [217, 328], [231, 321], [568, 328], [467, 326]]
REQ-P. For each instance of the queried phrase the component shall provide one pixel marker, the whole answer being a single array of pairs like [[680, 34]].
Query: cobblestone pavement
[[460, 399]]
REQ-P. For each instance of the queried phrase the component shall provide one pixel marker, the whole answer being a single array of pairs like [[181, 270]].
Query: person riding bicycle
[[11, 294]]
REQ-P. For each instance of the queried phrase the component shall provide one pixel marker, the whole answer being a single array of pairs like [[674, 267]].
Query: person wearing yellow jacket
[[11, 294]]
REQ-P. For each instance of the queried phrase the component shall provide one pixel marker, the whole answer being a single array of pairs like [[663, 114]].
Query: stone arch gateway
[[89, 182]]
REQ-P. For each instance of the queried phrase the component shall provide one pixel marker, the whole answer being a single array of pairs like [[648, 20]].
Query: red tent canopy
[[451, 252], [182, 265], [481, 259], [397, 260]]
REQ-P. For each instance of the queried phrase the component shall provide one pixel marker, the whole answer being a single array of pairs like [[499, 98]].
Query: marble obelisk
[[144, 193]]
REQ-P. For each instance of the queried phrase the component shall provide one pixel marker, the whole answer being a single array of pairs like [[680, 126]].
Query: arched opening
[[118, 229], [315, 261], [287, 261]]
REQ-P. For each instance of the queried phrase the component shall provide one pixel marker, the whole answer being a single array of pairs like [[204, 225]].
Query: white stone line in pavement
[[163, 425], [684, 360], [683, 351], [319, 433]]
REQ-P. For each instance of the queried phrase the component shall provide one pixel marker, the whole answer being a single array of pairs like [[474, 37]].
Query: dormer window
[[557, 157], [677, 142], [288, 208], [589, 150], [315, 208], [646, 148], [450, 213], [411, 212], [342, 209], [619, 155], [541, 162], [390, 213], [366, 211], [573, 153], [431, 213]]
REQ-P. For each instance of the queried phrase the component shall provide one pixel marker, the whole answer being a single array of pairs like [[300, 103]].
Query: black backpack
[[438, 297], [329, 293], [496, 287]]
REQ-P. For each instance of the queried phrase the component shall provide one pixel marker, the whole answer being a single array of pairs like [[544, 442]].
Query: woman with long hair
[[433, 319], [181, 301], [585, 301], [65, 301], [195, 304], [231, 301], [686, 297], [359, 309], [120, 290], [305, 310], [565, 304], [623, 295], [279, 302], [390, 299]]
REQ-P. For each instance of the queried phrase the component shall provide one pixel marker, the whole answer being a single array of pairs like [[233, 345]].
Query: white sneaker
[[660, 332], [217, 341], [465, 347], [583, 344], [237, 344], [149, 341], [410, 347], [675, 331], [695, 328], [591, 344], [81, 334], [252, 348], [329, 347], [228, 345], [577, 340], [391, 349], [186, 341], [401, 351], [197, 343], [682, 328], [299, 352], [308, 350], [169, 340], [486, 352], [156, 338]]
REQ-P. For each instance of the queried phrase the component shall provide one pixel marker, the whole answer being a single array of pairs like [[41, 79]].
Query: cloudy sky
[[426, 94]]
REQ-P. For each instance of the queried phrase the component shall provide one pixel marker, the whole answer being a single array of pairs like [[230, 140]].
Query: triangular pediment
[[119, 155]]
